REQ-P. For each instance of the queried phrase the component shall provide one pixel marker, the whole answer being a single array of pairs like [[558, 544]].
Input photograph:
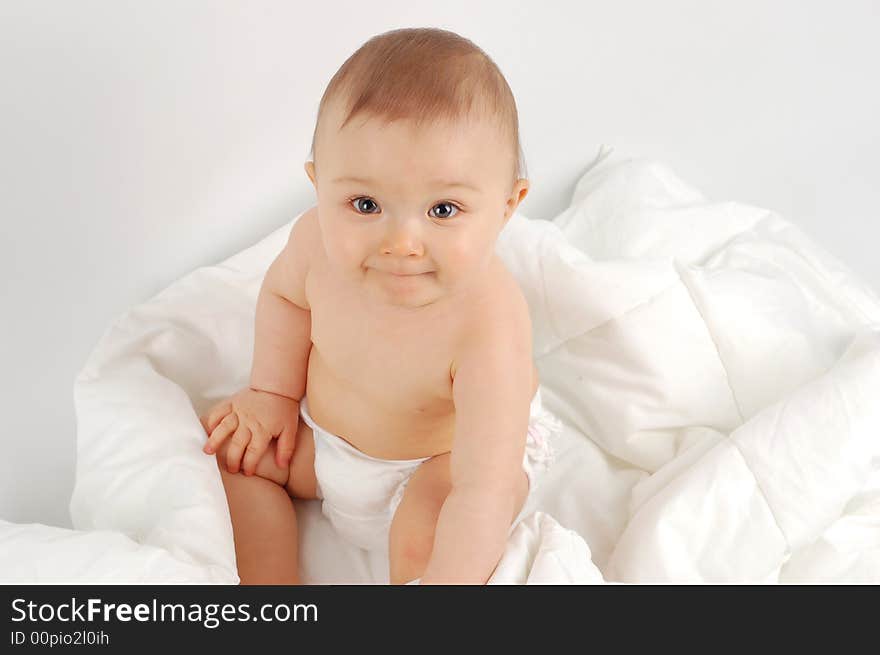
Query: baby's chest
[[404, 363], [368, 357]]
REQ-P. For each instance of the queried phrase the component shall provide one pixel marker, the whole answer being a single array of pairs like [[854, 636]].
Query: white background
[[141, 140]]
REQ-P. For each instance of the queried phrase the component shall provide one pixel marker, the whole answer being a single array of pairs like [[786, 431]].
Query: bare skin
[[403, 410], [263, 517], [384, 359]]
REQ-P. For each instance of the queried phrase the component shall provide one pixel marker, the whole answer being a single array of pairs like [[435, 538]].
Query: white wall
[[140, 140]]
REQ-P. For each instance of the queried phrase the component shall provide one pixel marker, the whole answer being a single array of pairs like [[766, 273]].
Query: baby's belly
[[381, 427]]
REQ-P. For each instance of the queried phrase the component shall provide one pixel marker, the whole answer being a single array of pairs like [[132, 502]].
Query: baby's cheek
[[351, 249], [461, 251], [468, 255], [343, 251]]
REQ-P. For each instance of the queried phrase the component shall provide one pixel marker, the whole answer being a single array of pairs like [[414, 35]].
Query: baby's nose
[[402, 238]]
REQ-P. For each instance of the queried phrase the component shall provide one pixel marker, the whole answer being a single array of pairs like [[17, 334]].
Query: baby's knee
[[269, 469], [266, 466], [416, 549], [410, 556]]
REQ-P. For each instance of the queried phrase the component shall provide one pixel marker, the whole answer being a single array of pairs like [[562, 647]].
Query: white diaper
[[361, 493]]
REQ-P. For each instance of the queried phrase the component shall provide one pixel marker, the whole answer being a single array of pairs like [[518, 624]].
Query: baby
[[390, 327]]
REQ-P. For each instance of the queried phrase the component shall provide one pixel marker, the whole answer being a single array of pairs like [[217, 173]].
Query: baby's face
[[411, 215]]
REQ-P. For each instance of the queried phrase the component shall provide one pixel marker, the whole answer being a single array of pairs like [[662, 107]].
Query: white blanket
[[715, 370]]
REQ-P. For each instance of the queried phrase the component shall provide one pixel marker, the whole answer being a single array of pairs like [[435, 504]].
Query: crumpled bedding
[[714, 369]]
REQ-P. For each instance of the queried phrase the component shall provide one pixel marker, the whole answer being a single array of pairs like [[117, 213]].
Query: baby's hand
[[254, 418]]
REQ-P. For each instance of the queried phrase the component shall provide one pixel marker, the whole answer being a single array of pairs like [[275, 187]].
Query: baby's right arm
[[283, 329], [269, 406]]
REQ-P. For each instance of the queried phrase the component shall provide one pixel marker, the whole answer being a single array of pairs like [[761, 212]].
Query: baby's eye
[[360, 202], [450, 208]]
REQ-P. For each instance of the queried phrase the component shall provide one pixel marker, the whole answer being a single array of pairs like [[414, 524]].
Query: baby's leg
[[263, 516], [263, 527]]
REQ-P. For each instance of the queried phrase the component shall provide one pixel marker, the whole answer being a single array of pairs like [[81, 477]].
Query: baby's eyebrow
[[437, 183]]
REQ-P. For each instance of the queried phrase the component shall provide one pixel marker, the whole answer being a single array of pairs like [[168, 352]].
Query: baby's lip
[[405, 274]]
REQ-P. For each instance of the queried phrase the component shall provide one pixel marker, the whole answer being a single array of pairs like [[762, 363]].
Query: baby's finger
[[216, 414], [259, 442], [286, 443], [221, 432], [239, 442]]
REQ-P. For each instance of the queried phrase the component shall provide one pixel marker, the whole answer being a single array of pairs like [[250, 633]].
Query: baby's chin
[[412, 291]]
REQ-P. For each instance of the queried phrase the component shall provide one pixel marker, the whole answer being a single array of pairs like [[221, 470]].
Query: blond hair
[[426, 75]]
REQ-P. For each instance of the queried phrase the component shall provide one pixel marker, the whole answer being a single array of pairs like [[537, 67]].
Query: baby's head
[[417, 165]]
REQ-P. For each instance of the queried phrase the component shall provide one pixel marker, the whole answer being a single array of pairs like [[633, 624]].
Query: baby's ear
[[310, 171], [517, 195]]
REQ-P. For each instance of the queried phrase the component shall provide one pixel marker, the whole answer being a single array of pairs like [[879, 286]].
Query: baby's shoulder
[[500, 318], [305, 234], [298, 256], [504, 307]]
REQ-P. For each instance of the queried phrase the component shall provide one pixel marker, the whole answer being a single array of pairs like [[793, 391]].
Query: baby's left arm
[[492, 391]]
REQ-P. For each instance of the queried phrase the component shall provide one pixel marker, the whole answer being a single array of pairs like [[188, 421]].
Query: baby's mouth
[[406, 274]]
